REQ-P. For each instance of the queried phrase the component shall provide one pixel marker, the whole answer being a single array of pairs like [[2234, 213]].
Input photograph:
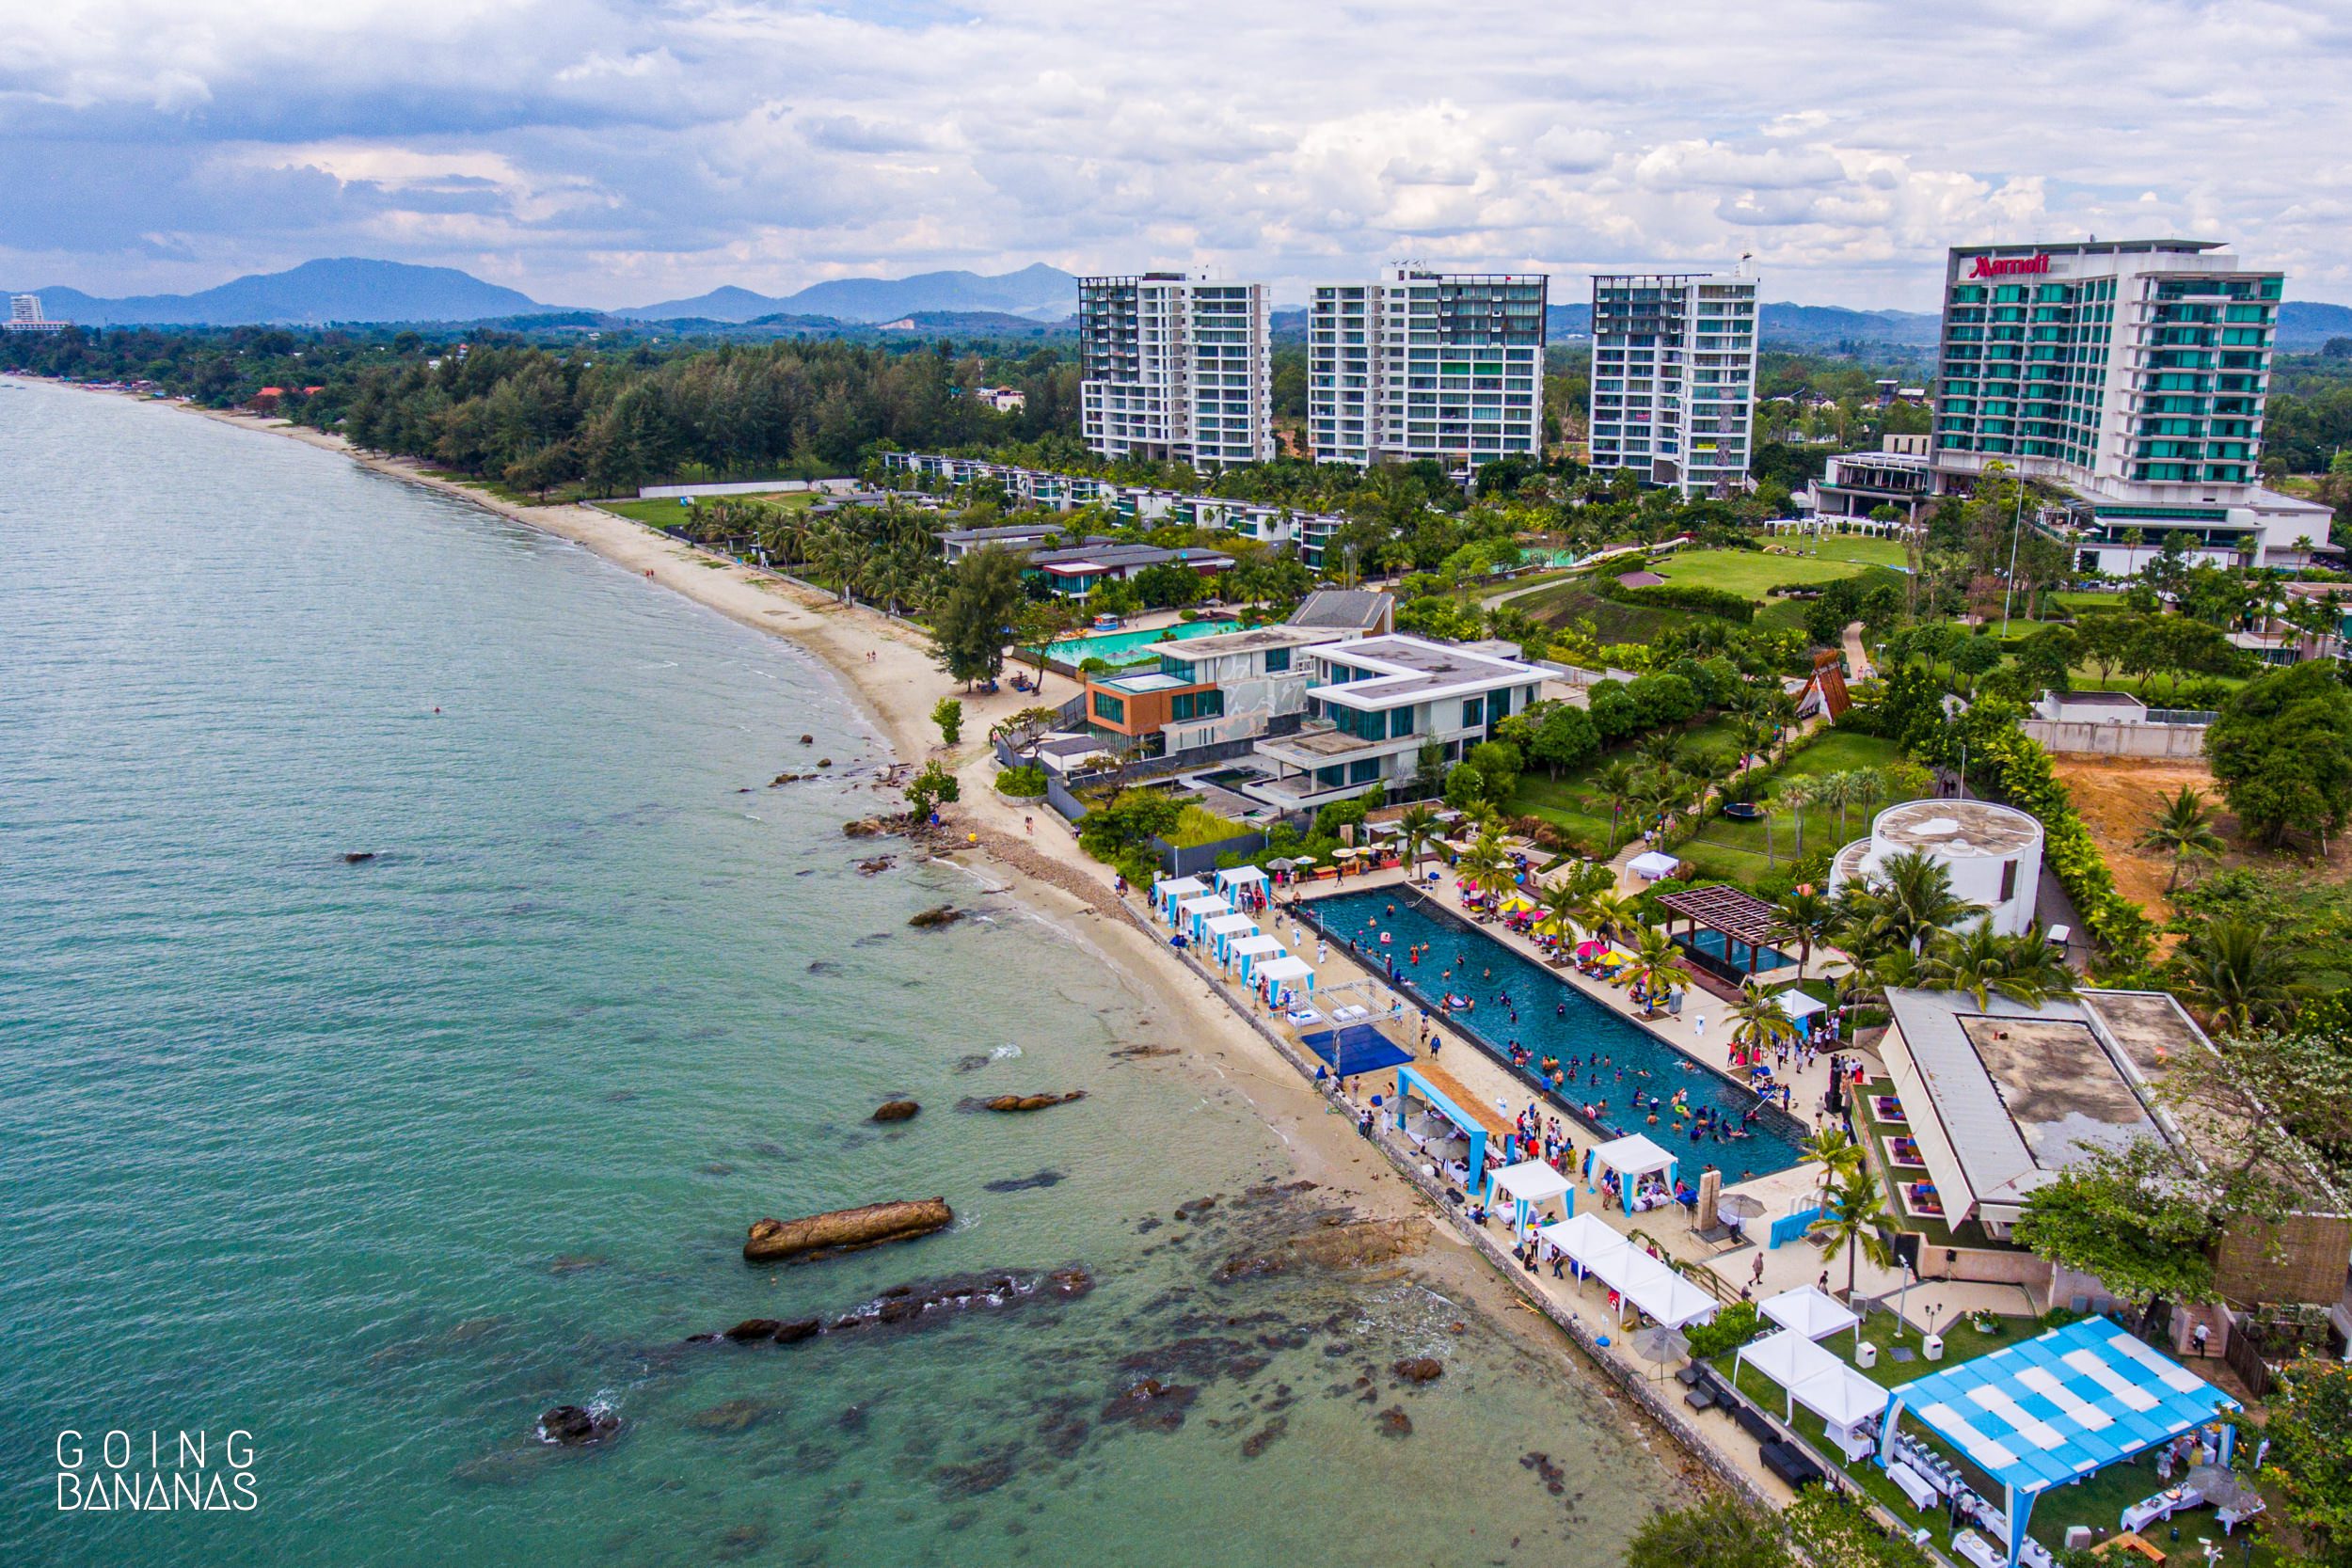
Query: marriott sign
[[2012, 266]]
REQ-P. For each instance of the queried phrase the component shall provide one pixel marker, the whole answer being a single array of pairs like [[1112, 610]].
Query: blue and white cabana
[[1246, 885], [1631, 1157], [2047, 1412], [1276, 976], [1194, 915], [1244, 954], [1528, 1186], [1410, 1082], [1166, 895], [1225, 929]]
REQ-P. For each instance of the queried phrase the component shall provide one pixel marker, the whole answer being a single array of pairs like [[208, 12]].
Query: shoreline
[[1213, 1041]]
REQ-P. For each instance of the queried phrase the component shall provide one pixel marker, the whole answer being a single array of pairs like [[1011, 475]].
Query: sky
[[600, 154]]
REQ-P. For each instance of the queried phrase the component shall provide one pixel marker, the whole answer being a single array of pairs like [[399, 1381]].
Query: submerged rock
[[1420, 1368], [752, 1330], [871, 867], [846, 1230], [729, 1416], [930, 919], [1394, 1422], [572, 1426], [1031, 1102], [862, 827], [1024, 1183], [1151, 1405], [896, 1110]]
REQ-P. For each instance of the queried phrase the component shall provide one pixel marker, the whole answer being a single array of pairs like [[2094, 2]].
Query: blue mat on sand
[[1356, 1048]]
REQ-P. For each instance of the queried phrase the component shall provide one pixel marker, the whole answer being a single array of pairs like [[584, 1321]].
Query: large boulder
[[573, 1426], [846, 1230], [896, 1110], [943, 914], [1032, 1102]]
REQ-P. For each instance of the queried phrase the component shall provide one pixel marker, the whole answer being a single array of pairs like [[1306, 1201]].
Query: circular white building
[[1994, 853]]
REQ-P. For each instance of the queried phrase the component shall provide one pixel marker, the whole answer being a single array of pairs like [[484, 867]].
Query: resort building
[[957, 543], [25, 315], [1674, 377], [1209, 690], [2132, 374], [1994, 853], [1856, 484], [1427, 364], [1075, 573], [1373, 703], [1176, 369], [1993, 1103]]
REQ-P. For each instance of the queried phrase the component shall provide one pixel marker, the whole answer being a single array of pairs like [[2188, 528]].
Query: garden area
[[1727, 847]]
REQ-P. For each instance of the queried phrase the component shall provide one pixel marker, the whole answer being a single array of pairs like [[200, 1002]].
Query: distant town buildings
[[25, 315], [1427, 364], [1005, 400], [1176, 367], [1674, 377], [2134, 374]]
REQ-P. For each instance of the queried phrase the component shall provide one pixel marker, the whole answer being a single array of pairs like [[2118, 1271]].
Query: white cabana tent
[[1807, 1311], [1658, 1290], [1166, 895], [1653, 865], [1244, 952], [1631, 1157], [1585, 1239], [1527, 1185], [1197, 912], [1246, 885], [1274, 974], [1799, 1007], [1225, 929], [1815, 1378]]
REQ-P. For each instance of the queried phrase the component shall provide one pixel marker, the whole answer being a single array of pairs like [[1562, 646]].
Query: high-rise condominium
[[2132, 374], [1674, 377], [1176, 367], [1427, 364]]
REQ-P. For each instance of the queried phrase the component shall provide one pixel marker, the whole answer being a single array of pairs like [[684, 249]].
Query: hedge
[[1671, 595]]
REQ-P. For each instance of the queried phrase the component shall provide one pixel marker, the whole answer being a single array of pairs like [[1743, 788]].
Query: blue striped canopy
[[2057, 1407]]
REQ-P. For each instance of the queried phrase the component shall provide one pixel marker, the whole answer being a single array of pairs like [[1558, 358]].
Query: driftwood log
[[845, 1229]]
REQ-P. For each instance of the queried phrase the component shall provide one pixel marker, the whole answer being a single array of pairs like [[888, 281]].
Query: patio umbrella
[[2220, 1488], [1280, 862], [1659, 1344], [1739, 1206]]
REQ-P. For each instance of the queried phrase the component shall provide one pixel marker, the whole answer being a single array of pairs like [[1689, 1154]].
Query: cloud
[[608, 151]]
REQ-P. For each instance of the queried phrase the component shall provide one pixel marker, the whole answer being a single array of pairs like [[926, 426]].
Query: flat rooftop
[[1408, 668], [1217, 644], [1957, 829], [2063, 1091]]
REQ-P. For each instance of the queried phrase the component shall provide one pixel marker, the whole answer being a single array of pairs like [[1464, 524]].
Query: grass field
[[1567, 602], [1725, 847], [1752, 574], [1565, 804], [655, 512]]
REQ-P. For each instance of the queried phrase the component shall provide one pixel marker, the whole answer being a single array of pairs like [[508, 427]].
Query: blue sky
[[607, 154]]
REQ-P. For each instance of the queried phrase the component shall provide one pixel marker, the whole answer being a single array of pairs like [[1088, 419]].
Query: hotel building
[[1176, 367], [1674, 377], [2132, 374], [1427, 364]]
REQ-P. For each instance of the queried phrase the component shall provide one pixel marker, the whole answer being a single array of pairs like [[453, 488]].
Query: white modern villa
[[1371, 704]]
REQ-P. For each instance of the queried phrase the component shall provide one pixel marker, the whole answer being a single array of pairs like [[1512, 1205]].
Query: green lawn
[[1565, 602], [1752, 574], [1837, 752], [1563, 803], [657, 513]]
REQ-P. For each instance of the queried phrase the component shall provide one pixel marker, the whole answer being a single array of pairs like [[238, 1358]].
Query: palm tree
[[1562, 902], [1657, 964], [2239, 976], [1417, 829], [1836, 791], [1659, 748], [1857, 1224], [1760, 1022], [2182, 827], [1616, 781], [1917, 900], [1802, 917], [1797, 793], [1489, 866], [1870, 788], [1980, 960], [1838, 1154], [1613, 909]]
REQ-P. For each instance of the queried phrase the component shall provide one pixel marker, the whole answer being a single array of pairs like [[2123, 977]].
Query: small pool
[[1116, 648], [1729, 956], [1557, 1020]]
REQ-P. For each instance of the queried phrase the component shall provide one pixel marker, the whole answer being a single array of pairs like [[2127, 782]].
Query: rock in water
[[573, 1426], [844, 1229], [1032, 1102], [358, 857], [1394, 1422], [863, 827], [752, 1330], [944, 914], [808, 740], [1420, 1368], [896, 1110]]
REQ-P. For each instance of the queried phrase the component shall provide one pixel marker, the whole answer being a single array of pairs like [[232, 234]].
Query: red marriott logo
[[2012, 266]]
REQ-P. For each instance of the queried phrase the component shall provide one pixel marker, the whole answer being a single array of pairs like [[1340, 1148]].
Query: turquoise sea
[[378, 1161]]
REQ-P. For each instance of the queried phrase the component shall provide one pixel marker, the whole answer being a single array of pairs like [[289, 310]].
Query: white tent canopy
[[1585, 1239], [1653, 865], [1531, 1181], [1166, 895], [1797, 1005], [1231, 924], [1639, 1279], [1247, 951], [1631, 1156], [1239, 876], [1276, 973], [1197, 912], [1808, 1313], [1813, 1377]]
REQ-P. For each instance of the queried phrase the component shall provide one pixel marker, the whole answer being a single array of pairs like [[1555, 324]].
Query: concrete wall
[[2078, 738]]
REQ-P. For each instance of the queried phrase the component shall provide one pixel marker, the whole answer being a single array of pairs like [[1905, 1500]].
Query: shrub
[[1026, 782], [1671, 595], [1735, 1325]]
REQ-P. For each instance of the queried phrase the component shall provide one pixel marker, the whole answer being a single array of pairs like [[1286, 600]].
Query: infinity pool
[[1131, 647], [1585, 1032]]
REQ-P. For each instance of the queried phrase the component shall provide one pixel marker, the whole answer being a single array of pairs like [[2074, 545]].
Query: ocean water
[[1585, 1034], [376, 1162]]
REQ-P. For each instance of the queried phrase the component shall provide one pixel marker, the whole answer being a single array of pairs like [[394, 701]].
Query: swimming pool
[[1131, 647], [1585, 1032]]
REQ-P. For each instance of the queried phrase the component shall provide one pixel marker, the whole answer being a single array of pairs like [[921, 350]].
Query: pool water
[[1584, 1033], [1131, 647], [1722, 950]]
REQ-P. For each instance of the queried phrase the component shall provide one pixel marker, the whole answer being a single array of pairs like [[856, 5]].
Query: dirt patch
[[2115, 798]]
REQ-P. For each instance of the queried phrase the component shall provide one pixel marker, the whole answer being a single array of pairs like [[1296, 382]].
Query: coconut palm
[[1615, 781], [1869, 787], [1796, 794], [1489, 866], [1980, 960], [1856, 1221], [1916, 898], [1562, 902], [2239, 976], [1839, 1155], [1417, 829], [1759, 1022], [1836, 791], [1610, 909], [1657, 964], [1803, 917], [2182, 828], [1659, 748]]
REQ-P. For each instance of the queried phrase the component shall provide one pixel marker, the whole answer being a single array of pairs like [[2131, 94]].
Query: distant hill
[[2305, 324], [344, 288], [1037, 292]]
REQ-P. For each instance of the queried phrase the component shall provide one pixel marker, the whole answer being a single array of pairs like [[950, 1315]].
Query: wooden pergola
[[1742, 918]]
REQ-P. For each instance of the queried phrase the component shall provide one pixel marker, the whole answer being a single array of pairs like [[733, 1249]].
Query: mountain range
[[1037, 298]]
